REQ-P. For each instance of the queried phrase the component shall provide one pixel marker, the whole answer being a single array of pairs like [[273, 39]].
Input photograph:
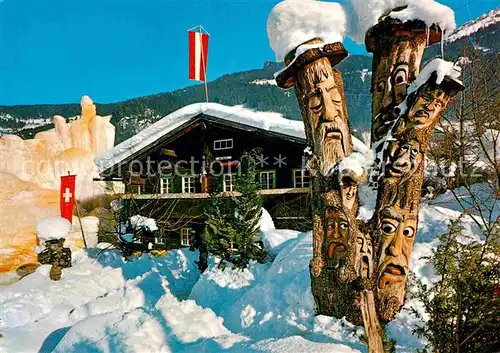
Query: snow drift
[[292, 23], [362, 14]]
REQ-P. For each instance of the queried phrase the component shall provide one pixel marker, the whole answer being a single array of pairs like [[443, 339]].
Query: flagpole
[[79, 217], [80, 221], [203, 63]]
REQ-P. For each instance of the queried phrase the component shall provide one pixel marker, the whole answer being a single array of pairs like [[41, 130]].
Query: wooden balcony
[[206, 195]]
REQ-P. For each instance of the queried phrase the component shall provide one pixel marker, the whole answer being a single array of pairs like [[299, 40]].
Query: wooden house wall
[[190, 145], [288, 210]]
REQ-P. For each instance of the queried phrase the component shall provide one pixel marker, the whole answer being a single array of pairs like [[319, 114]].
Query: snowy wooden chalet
[[169, 168]]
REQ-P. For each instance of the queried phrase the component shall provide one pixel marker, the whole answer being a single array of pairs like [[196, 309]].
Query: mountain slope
[[254, 89]]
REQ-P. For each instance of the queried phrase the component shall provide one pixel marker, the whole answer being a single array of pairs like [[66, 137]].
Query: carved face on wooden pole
[[364, 255], [325, 110], [337, 235], [427, 107], [397, 236], [397, 49], [403, 158], [349, 191], [392, 77]]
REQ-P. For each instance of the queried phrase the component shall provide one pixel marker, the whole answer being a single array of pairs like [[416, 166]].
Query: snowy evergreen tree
[[232, 224], [219, 233], [248, 210], [462, 307]]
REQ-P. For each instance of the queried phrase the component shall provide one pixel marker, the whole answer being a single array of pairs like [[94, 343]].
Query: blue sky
[[55, 51]]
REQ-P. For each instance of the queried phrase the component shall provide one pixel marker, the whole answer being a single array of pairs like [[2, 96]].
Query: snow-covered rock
[[53, 227]]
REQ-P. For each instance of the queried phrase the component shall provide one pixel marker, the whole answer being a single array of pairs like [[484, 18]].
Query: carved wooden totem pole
[[337, 265], [359, 269], [402, 125]]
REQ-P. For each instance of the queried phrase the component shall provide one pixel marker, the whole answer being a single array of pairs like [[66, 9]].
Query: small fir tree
[[463, 306], [219, 233], [232, 224], [248, 211]]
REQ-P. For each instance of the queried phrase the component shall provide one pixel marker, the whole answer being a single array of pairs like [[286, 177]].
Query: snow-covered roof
[[273, 122]]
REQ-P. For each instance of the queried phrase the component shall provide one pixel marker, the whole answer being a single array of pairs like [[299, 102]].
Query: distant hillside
[[254, 88]]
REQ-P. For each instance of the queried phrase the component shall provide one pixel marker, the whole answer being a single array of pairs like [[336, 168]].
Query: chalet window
[[188, 185], [160, 240], [186, 236], [165, 185], [300, 178], [137, 189], [268, 179], [228, 182], [225, 144]]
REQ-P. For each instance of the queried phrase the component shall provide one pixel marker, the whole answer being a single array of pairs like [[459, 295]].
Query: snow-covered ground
[[103, 304], [264, 82]]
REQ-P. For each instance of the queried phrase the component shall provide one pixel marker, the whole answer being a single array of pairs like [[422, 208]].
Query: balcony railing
[[204, 195]]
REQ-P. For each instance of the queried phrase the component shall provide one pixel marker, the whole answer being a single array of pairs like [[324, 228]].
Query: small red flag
[[198, 55], [67, 199]]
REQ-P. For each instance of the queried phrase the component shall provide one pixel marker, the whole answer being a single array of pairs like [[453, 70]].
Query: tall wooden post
[[335, 265], [360, 270], [397, 49], [399, 191], [400, 138]]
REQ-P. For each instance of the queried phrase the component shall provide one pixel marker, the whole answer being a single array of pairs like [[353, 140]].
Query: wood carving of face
[[404, 158], [392, 76], [348, 192], [325, 113], [337, 234], [364, 255], [397, 235], [427, 107]]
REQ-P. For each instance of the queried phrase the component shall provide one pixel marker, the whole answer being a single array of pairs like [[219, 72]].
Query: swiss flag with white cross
[[67, 199]]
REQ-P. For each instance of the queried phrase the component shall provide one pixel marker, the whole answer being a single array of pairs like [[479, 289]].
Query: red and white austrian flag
[[67, 199], [198, 54]]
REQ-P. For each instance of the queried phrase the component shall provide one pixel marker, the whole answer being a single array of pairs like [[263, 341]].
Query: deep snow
[[103, 304]]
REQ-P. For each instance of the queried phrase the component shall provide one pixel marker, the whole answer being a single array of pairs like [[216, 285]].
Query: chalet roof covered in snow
[[270, 122]]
